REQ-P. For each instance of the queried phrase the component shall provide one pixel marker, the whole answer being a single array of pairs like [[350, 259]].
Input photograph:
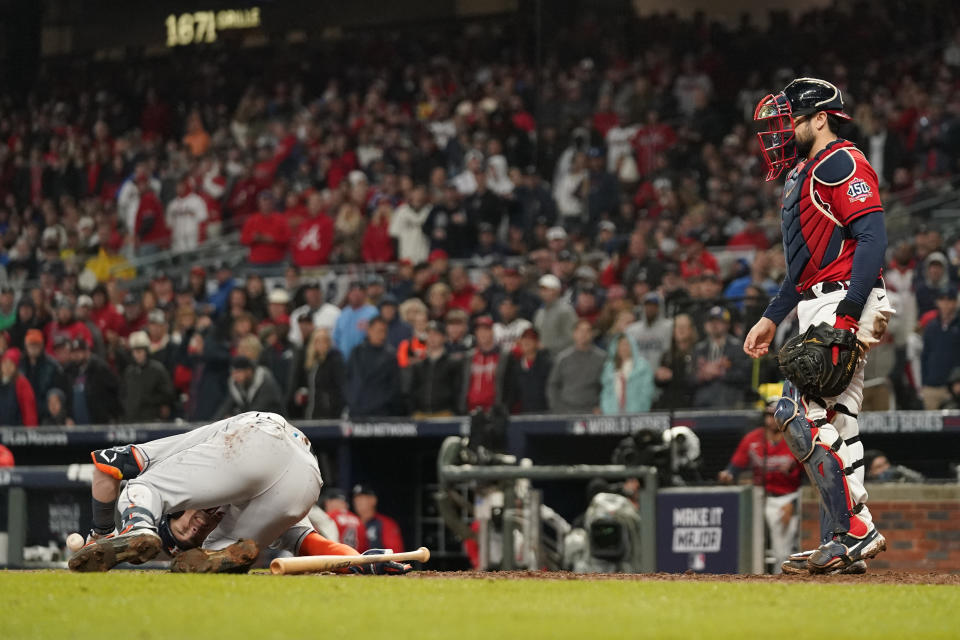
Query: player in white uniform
[[248, 478]]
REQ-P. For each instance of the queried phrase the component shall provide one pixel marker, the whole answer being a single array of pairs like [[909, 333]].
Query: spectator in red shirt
[[266, 233], [351, 529], [152, 233], [461, 290], [751, 236], [764, 451], [378, 245], [697, 260], [18, 405], [483, 367], [313, 238], [64, 324], [104, 314], [382, 531]]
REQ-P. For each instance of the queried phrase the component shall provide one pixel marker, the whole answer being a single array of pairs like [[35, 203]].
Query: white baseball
[[75, 541]]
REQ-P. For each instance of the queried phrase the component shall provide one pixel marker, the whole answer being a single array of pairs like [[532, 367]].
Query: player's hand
[[382, 568], [844, 323], [758, 340], [725, 477]]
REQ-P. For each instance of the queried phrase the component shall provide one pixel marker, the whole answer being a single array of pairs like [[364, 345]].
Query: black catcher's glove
[[810, 361]]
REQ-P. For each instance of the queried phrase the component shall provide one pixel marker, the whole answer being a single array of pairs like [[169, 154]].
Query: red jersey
[[821, 197], [352, 531], [312, 241], [770, 461], [483, 379], [272, 246]]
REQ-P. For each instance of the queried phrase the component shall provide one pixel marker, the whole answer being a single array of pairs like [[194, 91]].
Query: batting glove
[[382, 568]]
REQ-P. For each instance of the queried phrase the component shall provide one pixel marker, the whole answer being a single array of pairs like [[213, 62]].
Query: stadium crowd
[[429, 235]]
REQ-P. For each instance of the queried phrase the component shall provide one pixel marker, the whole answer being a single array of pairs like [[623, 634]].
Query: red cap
[[483, 321], [13, 355], [530, 332], [34, 336], [198, 270], [437, 254]]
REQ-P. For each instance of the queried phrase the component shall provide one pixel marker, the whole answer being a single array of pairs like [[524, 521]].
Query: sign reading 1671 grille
[[202, 26]]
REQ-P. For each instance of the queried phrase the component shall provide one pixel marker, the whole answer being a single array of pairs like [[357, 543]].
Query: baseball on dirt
[[74, 542]]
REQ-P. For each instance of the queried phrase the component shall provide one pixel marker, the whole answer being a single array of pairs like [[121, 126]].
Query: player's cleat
[[796, 564], [135, 546], [237, 558], [844, 550]]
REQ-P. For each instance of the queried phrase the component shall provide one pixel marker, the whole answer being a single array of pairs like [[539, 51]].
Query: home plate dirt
[[876, 577]]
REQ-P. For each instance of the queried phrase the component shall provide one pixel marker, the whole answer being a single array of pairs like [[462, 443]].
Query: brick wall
[[920, 522]]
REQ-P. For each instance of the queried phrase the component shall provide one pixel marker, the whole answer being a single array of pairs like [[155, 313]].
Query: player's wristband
[[848, 307]]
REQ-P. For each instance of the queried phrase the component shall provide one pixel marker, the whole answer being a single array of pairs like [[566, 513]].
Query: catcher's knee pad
[[122, 463], [792, 419]]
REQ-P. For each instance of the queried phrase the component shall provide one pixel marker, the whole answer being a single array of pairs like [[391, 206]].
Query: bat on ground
[[314, 564]]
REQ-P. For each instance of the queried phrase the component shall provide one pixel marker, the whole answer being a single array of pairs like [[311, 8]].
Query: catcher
[[834, 241], [231, 487]]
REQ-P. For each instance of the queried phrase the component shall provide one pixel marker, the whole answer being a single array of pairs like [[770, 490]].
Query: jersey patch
[[859, 190]]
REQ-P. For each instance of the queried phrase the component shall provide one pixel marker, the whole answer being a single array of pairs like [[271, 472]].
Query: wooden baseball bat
[[313, 564]]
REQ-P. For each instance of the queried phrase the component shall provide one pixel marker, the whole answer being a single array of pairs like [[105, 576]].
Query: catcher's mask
[[775, 115], [776, 142]]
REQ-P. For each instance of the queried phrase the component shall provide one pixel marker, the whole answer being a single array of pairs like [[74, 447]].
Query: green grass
[[133, 606]]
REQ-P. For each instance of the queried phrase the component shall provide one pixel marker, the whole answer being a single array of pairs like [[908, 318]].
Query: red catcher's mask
[[775, 119]]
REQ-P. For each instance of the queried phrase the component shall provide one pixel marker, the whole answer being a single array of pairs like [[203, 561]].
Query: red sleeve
[[392, 538], [27, 401], [858, 195], [741, 457], [326, 238], [249, 227]]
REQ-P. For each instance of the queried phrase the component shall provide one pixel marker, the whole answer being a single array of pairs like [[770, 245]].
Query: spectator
[[378, 242], [436, 379], [879, 469], [266, 233], [398, 329], [482, 369], [66, 325], [151, 233], [208, 357], [934, 280], [414, 348], [574, 384], [941, 350], [162, 349], [652, 332], [676, 374], [511, 326], [320, 314], [627, 379], [55, 410], [94, 387], [317, 385], [41, 370], [407, 227], [185, 216], [351, 326], [953, 385], [382, 531], [27, 319], [18, 405], [556, 318], [251, 388], [348, 229], [459, 340], [722, 369], [8, 311], [523, 384], [775, 469], [373, 377], [351, 529], [513, 285], [313, 237], [146, 389]]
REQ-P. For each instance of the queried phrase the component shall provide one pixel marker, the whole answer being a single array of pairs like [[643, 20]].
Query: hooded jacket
[[639, 382]]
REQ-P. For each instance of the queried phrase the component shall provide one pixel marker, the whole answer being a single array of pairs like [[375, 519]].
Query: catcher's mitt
[[808, 360]]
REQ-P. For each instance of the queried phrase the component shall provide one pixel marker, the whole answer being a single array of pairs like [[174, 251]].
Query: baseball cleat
[[796, 564], [135, 546], [237, 558], [845, 550]]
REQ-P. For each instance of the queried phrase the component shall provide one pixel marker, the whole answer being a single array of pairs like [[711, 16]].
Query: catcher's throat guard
[[821, 361]]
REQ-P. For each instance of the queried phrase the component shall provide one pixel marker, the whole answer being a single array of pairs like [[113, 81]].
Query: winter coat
[[324, 385], [373, 381], [435, 384], [263, 394], [639, 384], [100, 389], [18, 405], [210, 371], [574, 384], [523, 388], [43, 376], [144, 390]]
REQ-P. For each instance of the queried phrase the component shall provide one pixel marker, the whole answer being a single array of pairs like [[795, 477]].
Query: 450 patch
[[858, 189]]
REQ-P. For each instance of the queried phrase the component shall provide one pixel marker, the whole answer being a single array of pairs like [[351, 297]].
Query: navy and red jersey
[[772, 463], [352, 531], [383, 532], [821, 198]]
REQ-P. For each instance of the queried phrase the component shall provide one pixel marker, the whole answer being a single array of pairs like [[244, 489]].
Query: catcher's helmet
[[801, 97]]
